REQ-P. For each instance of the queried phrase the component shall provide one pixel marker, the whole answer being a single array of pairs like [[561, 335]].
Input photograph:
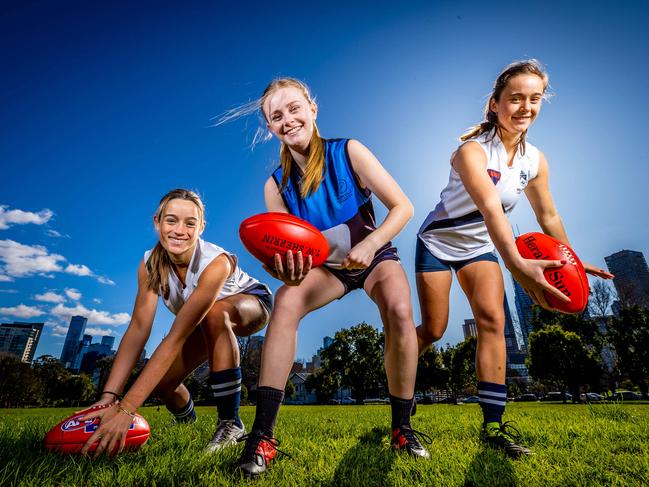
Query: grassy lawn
[[604, 444]]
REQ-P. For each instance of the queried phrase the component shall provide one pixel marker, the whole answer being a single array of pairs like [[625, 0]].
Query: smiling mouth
[[293, 130], [177, 241]]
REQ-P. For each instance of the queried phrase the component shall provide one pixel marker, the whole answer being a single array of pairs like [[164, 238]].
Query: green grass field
[[604, 444]]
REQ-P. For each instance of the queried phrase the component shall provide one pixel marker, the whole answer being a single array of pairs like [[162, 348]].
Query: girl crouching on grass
[[213, 300]]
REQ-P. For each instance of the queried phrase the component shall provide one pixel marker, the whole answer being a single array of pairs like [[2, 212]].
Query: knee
[[490, 323], [398, 317], [166, 390], [216, 319], [431, 332]]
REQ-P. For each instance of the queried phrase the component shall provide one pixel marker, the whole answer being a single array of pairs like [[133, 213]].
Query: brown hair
[[315, 163], [490, 122], [158, 265]]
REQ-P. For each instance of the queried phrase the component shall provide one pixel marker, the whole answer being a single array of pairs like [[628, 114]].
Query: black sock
[[401, 409], [268, 402]]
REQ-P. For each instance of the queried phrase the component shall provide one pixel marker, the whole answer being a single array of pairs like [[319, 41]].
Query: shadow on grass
[[367, 463], [488, 468]]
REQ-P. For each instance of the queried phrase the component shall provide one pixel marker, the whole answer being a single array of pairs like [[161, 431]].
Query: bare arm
[[296, 266], [374, 176], [471, 164], [134, 339], [538, 194], [115, 420]]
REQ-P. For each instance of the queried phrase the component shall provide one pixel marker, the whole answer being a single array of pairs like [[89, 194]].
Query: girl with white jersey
[[489, 171], [213, 300]]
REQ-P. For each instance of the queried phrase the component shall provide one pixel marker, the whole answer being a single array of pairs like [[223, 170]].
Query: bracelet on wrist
[[125, 411], [119, 397]]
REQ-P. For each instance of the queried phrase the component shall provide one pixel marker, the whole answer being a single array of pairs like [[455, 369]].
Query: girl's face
[[179, 227], [519, 103], [290, 117]]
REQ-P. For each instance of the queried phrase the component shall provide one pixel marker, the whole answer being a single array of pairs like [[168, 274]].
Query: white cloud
[[98, 332], [50, 297], [24, 260], [9, 291], [96, 300], [22, 311], [94, 316], [55, 234], [59, 331], [78, 270], [20, 217], [74, 294], [19, 260]]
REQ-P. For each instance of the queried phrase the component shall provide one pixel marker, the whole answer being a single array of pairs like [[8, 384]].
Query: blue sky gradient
[[107, 107]]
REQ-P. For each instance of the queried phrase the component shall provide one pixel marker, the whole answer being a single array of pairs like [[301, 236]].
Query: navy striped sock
[[493, 398], [225, 388], [185, 414]]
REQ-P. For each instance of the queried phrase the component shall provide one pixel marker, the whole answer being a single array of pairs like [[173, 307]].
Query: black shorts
[[355, 279]]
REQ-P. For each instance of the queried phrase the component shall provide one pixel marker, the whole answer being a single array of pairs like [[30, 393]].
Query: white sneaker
[[227, 433]]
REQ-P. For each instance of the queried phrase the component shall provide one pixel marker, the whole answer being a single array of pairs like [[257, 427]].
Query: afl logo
[[74, 424]]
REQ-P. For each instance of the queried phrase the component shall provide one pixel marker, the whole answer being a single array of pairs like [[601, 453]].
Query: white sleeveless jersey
[[204, 254], [455, 229]]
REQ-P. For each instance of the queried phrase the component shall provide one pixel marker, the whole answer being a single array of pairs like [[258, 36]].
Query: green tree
[[289, 389], [19, 386], [354, 360], [431, 371], [325, 382], [461, 359], [561, 359], [629, 337]]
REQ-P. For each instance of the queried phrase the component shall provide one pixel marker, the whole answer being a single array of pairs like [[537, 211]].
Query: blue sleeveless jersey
[[339, 208]]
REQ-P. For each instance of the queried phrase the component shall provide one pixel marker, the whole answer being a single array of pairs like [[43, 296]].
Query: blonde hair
[[159, 264], [490, 122], [315, 164]]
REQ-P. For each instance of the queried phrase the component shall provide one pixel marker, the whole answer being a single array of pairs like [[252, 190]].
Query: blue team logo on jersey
[[494, 175], [74, 424]]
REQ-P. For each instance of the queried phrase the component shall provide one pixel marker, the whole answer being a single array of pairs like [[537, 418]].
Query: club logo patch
[[494, 175]]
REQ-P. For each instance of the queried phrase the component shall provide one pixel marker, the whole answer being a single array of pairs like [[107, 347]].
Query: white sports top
[[204, 254], [455, 229]]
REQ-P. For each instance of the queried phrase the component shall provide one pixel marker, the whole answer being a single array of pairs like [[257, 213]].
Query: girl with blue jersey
[[489, 171], [329, 183], [213, 300]]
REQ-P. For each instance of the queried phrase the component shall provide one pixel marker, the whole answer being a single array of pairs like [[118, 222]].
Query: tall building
[[20, 339], [108, 341], [469, 328], [631, 276], [82, 347], [90, 353], [510, 333], [72, 339], [524, 311], [327, 342]]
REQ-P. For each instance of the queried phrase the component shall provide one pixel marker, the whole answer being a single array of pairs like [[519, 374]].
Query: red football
[[70, 435], [570, 279], [267, 234]]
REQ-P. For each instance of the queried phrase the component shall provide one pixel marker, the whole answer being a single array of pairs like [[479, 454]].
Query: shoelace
[[225, 428], [256, 437], [415, 436], [508, 430]]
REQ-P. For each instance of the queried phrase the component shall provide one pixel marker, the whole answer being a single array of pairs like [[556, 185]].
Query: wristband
[[132, 415], [112, 393]]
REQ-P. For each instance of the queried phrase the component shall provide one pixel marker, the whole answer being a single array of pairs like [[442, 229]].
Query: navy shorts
[[355, 279], [425, 261], [263, 294]]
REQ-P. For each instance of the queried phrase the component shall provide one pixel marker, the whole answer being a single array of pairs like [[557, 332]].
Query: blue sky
[[107, 107]]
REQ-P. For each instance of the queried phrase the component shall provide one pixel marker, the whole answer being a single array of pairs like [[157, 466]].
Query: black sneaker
[[404, 438], [260, 449], [505, 438]]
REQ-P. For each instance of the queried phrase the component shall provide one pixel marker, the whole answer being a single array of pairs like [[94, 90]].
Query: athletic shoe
[[504, 437], [227, 433], [260, 449], [404, 438]]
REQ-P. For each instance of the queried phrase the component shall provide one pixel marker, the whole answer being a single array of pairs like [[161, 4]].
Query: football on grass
[[69, 436]]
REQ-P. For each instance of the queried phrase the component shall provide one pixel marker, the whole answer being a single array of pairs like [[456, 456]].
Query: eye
[[515, 99], [294, 108], [276, 118], [170, 220], [191, 224]]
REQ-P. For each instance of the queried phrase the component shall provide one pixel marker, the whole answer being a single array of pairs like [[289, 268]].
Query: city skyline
[[100, 119]]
